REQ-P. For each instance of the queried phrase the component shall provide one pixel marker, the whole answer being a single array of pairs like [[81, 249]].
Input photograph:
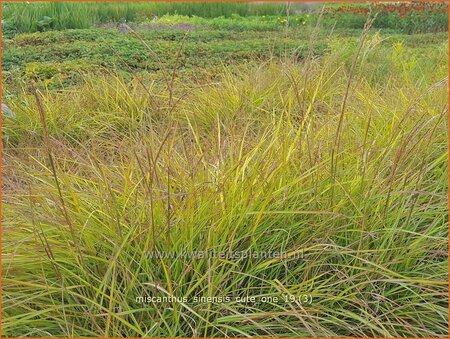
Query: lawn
[[224, 171]]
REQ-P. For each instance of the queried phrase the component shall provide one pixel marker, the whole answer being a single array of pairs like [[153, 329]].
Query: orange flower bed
[[402, 8]]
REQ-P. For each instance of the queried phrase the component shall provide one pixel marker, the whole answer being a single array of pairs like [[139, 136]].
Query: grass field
[[321, 146]]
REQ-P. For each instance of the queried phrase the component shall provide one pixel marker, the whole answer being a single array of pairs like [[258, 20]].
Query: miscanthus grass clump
[[344, 167]]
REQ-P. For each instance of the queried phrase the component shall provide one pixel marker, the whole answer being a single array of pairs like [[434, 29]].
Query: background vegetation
[[26, 17]]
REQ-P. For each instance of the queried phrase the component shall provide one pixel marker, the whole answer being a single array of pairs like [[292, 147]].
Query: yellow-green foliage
[[243, 162]]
